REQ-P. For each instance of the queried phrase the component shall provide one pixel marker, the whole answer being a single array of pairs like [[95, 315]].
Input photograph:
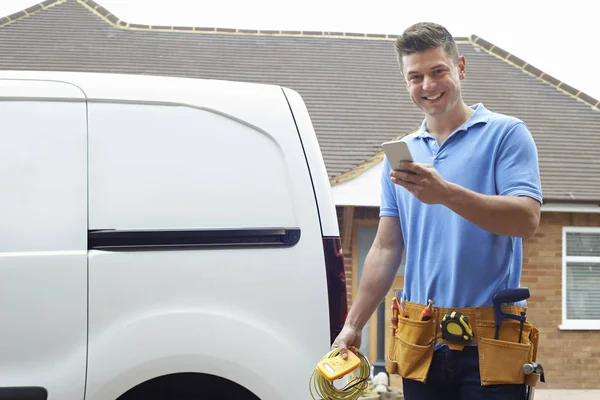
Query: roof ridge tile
[[536, 72], [34, 9]]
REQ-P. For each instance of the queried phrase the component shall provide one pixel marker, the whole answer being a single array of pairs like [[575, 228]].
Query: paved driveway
[[554, 394]]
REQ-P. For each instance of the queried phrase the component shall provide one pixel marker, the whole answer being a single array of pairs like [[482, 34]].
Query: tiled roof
[[349, 81]]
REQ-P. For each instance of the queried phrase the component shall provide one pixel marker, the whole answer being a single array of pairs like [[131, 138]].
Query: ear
[[403, 76], [462, 67], [404, 80], [401, 67]]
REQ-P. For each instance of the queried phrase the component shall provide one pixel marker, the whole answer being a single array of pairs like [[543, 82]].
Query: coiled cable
[[322, 389]]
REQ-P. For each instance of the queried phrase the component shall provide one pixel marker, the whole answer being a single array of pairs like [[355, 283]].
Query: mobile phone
[[397, 151]]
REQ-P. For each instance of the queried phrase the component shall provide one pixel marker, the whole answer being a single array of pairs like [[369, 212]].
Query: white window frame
[[581, 324]]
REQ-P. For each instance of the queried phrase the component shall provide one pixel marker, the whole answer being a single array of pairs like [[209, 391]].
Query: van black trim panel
[[23, 393], [113, 239]]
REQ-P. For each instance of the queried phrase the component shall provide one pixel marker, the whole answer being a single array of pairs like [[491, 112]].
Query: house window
[[581, 278]]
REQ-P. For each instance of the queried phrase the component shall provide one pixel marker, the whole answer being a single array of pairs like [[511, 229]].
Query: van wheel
[[188, 386]]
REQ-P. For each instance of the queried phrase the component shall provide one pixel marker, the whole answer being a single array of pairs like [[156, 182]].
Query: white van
[[162, 239]]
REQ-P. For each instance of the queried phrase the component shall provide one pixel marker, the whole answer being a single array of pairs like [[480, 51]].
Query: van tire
[[188, 386]]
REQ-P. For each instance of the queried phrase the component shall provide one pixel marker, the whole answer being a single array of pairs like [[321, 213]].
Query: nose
[[428, 83]]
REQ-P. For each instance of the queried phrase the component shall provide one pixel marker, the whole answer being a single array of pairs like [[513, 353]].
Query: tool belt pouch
[[411, 349], [501, 360]]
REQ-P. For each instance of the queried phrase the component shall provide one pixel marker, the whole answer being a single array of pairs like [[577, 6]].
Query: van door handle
[[23, 393]]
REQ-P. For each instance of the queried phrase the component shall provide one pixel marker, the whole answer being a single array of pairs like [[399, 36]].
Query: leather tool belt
[[500, 360]]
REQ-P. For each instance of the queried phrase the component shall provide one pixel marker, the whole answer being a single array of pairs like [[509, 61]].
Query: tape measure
[[455, 326]]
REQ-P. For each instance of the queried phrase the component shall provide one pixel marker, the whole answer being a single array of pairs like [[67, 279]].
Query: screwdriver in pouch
[[404, 312], [427, 312], [397, 307]]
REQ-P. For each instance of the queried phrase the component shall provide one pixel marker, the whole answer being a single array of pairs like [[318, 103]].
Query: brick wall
[[571, 359]]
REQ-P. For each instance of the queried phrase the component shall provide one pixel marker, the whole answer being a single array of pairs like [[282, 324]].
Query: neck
[[442, 126]]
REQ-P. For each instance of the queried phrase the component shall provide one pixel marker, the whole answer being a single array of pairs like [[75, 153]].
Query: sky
[[555, 36]]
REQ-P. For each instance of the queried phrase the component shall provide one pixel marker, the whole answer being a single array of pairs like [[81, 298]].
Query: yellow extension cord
[[325, 390]]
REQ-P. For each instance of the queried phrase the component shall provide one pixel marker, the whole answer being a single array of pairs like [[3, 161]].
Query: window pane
[[583, 296], [583, 244]]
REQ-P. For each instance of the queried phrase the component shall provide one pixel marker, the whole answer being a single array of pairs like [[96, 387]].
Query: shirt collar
[[481, 115]]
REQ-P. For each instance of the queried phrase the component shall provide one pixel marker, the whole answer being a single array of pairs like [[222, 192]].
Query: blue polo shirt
[[449, 259]]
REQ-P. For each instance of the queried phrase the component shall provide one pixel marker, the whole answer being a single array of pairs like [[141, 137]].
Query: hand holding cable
[[349, 337], [321, 381]]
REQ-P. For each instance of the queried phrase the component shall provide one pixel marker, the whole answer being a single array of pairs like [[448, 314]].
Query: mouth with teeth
[[433, 98]]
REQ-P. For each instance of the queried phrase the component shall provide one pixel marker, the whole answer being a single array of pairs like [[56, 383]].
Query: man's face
[[433, 80]]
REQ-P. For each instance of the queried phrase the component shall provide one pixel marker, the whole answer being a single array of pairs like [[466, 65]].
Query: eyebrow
[[431, 69]]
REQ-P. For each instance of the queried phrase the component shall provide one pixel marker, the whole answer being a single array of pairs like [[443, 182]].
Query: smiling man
[[461, 212]]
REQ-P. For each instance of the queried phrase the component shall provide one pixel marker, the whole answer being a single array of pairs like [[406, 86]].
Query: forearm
[[378, 276], [501, 215]]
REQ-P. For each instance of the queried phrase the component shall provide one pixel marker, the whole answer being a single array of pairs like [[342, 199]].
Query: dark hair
[[424, 36]]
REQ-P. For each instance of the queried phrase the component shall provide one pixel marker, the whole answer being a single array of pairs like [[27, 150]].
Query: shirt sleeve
[[389, 203], [517, 169]]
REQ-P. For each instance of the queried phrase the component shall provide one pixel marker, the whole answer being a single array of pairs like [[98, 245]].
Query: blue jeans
[[454, 375]]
